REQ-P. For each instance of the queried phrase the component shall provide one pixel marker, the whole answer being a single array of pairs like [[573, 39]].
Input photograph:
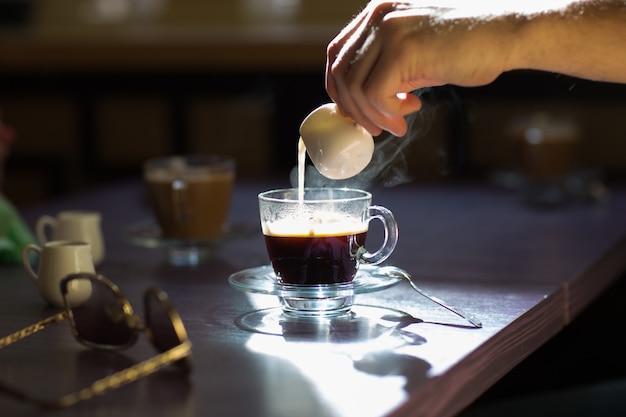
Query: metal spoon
[[400, 273]]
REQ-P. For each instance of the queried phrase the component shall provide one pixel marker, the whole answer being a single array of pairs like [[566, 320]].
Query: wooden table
[[524, 272]]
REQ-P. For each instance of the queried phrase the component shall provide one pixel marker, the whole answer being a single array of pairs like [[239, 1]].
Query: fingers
[[338, 56], [351, 65], [335, 49], [372, 96], [352, 58], [350, 72]]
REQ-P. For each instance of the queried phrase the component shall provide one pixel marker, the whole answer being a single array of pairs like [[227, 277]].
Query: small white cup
[[58, 259], [73, 225], [338, 146]]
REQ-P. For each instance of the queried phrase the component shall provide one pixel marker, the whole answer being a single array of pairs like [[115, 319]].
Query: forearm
[[586, 39], [392, 48]]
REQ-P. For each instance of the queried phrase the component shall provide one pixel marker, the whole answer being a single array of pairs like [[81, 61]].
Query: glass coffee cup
[[190, 197], [316, 242]]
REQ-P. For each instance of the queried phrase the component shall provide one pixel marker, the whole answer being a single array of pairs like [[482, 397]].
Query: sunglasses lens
[[162, 321], [101, 320]]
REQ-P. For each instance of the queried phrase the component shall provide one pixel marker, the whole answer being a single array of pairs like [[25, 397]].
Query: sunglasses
[[104, 319]]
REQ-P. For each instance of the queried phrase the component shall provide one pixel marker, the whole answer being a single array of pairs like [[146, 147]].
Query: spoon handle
[[405, 276]]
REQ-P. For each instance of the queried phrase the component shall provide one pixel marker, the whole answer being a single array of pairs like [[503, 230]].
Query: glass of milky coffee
[[315, 239], [190, 197]]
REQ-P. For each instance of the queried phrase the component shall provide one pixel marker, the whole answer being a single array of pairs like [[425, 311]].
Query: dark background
[[84, 121]]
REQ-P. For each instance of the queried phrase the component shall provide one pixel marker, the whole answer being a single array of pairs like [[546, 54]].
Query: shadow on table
[[368, 335]]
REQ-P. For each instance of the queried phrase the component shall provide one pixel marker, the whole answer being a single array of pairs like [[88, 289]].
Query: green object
[[14, 233]]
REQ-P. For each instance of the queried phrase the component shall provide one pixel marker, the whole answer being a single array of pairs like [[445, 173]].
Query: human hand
[[393, 48]]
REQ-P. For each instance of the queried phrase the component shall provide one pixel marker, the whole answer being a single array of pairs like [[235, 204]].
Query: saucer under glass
[[364, 328], [312, 300], [185, 252]]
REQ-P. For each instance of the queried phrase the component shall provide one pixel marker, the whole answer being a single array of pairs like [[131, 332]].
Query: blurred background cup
[[73, 225], [56, 260], [190, 197], [547, 149]]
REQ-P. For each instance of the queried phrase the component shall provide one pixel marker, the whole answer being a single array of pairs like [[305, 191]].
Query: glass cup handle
[[390, 227]]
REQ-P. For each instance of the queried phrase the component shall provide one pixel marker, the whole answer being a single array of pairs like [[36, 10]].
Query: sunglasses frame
[[134, 322], [179, 354]]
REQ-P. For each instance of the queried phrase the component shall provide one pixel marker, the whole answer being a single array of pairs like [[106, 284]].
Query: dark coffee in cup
[[315, 259], [316, 236]]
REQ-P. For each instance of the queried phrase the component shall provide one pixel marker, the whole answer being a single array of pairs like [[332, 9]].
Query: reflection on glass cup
[[319, 242], [190, 196]]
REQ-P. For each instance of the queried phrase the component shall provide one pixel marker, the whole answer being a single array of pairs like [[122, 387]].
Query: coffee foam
[[324, 224]]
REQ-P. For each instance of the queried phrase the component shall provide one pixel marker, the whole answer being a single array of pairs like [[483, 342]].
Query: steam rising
[[389, 165]]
